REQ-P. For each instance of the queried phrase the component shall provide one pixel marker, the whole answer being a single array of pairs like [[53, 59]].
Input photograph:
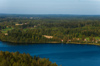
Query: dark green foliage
[[21, 36], [17, 59], [33, 27]]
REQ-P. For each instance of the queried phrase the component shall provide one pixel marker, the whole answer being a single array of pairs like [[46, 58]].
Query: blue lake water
[[62, 54]]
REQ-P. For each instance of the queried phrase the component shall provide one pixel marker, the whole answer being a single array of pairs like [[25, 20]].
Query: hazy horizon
[[70, 7]]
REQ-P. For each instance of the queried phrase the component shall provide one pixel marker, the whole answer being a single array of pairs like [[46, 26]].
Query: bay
[[62, 54]]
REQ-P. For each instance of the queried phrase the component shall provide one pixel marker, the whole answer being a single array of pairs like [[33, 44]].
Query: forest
[[50, 28], [18, 59]]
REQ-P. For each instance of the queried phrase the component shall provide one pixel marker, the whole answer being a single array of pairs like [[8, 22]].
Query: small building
[[25, 23], [62, 40], [35, 26], [78, 38], [99, 40], [69, 40], [96, 41], [85, 40]]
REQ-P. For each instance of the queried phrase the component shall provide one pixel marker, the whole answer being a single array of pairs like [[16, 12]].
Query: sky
[[81, 7]]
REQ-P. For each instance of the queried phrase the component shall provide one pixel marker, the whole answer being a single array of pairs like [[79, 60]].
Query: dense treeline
[[28, 36], [17, 59], [32, 28]]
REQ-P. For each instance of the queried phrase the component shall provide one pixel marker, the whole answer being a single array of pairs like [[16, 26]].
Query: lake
[[62, 54]]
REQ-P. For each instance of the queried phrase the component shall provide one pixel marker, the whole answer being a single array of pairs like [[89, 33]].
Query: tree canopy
[[17, 59]]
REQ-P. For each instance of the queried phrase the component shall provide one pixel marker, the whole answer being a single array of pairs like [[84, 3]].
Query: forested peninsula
[[17, 59], [25, 29]]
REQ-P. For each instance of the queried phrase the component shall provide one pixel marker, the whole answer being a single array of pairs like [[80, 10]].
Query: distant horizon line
[[46, 14]]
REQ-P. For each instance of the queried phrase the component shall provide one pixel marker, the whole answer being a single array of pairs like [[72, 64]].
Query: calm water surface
[[62, 54]]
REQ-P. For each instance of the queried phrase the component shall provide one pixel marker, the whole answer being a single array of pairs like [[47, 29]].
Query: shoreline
[[17, 43], [97, 44]]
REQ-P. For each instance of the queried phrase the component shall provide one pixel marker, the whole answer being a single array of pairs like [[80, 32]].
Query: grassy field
[[28, 28], [97, 38], [5, 30], [87, 38]]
